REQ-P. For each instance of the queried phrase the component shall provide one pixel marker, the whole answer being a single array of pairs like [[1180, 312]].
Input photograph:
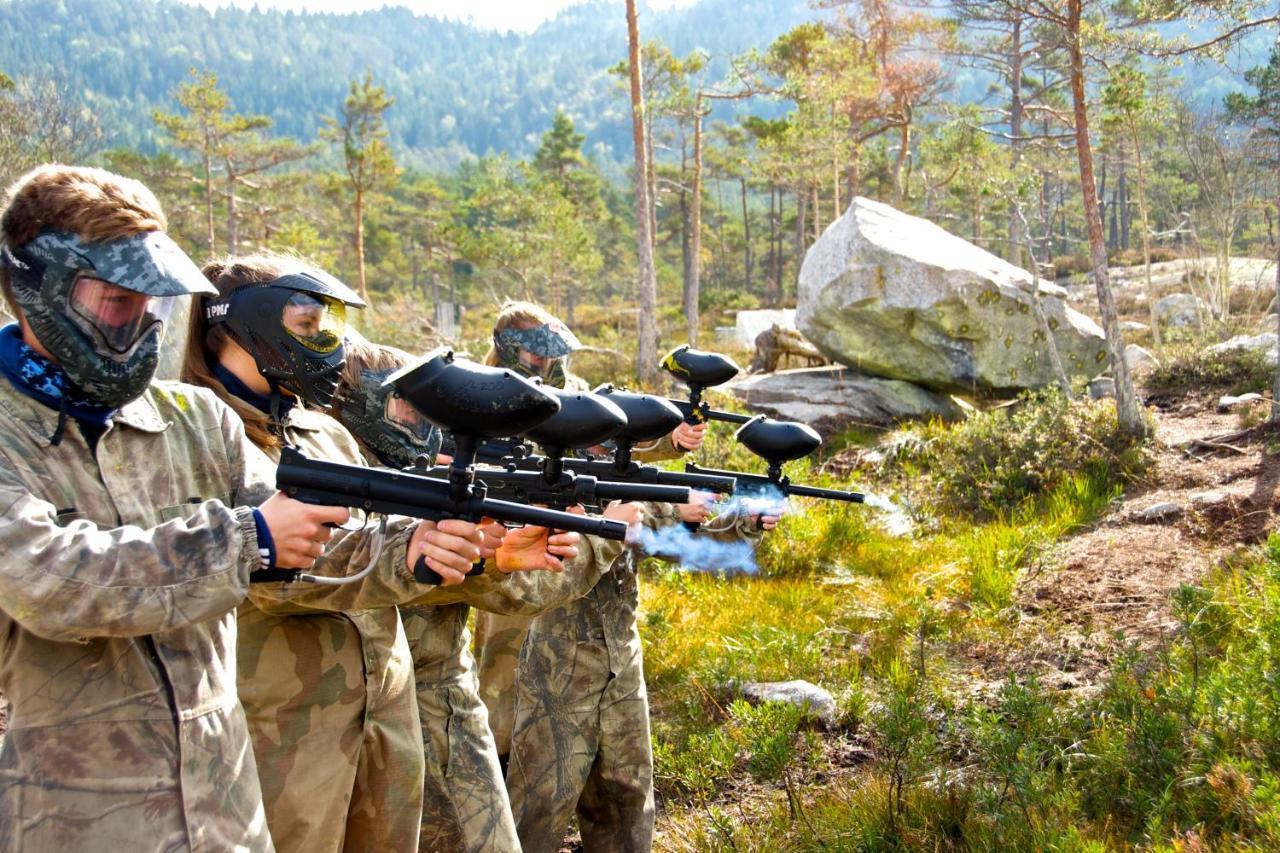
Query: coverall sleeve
[[65, 582]]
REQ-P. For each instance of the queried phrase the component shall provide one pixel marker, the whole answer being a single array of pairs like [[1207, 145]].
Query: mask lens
[[401, 414], [116, 316], [536, 365], [316, 322]]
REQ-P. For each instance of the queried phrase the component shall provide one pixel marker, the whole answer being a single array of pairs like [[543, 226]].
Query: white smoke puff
[[695, 551], [765, 500]]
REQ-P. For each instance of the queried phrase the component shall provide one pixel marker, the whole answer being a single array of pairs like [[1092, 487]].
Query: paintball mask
[[540, 352], [293, 328], [100, 307], [385, 422]]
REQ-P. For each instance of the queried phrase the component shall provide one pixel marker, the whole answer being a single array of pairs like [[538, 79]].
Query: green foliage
[[1194, 369], [992, 462]]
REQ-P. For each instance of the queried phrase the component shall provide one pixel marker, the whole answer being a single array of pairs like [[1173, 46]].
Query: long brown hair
[[204, 342]]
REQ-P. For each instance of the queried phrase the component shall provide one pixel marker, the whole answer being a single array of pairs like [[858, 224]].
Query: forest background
[[481, 165]]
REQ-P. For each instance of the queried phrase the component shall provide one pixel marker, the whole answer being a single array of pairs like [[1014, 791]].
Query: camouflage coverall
[[119, 574], [500, 635], [581, 737], [330, 703], [465, 804]]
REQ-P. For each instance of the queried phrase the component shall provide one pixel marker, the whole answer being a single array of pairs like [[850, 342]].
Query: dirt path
[[1111, 586]]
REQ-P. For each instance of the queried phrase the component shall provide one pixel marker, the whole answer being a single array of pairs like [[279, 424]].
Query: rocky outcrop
[[831, 398], [894, 295], [748, 325], [1264, 343], [1180, 310]]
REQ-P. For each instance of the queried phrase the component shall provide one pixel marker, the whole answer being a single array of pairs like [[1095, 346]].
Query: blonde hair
[[204, 342], [93, 204], [524, 315]]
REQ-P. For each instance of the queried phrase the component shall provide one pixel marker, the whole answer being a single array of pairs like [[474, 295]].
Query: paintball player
[[325, 673], [465, 804], [581, 736], [126, 542], [532, 342]]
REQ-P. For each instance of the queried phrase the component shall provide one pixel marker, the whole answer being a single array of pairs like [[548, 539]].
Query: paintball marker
[[584, 420], [778, 442], [471, 400], [701, 370], [648, 418]]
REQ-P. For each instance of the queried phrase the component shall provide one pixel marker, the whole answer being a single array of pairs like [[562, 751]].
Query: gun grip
[[691, 526], [423, 573]]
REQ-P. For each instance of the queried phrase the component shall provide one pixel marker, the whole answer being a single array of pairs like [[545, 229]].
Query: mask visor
[[115, 318], [404, 417], [316, 322]]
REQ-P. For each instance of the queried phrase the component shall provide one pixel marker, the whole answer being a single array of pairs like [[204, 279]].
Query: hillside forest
[[1055, 625]]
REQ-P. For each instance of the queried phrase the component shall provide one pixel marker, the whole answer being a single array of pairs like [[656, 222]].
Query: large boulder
[[1264, 343], [896, 296], [831, 398]]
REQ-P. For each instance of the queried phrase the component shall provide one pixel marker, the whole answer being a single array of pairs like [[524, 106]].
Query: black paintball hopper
[[778, 441], [699, 368], [648, 417], [473, 399], [584, 420]]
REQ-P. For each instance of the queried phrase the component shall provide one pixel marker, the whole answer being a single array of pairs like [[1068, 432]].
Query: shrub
[[994, 461], [1197, 370], [1065, 266]]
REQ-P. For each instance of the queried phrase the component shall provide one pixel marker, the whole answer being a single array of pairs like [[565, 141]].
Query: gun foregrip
[[423, 573]]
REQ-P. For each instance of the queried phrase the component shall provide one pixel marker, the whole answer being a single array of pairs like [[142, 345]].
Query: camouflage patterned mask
[[552, 341], [386, 423], [99, 307]]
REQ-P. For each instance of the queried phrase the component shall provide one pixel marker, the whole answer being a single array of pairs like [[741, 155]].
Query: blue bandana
[[261, 402], [45, 382]]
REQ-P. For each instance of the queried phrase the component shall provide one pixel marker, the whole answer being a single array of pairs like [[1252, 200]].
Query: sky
[[521, 15]]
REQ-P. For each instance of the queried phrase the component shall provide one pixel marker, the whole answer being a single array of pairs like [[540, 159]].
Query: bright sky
[[523, 15]]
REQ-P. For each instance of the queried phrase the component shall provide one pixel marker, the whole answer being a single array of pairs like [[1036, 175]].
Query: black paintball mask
[[100, 307], [385, 422], [552, 344], [293, 327]]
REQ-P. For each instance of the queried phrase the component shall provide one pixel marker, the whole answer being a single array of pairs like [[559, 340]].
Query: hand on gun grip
[[533, 548], [299, 531], [449, 548]]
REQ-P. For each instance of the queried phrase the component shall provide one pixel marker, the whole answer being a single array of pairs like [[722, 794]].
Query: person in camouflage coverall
[[581, 735], [530, 340], [118, 581], [328, 691], [465, 804]]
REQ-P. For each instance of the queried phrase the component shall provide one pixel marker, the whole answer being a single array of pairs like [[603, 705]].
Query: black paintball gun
[[474, 402], [648, 418], [584, 420], [701, 370], [778, 442]]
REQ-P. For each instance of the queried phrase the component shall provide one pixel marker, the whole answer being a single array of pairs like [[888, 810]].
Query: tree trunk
[[1275, 385], [1125, 216], [746, 234], [1014, 252], [904, 148], [686, 226], [801, 213], [1146, 237], [816, 207], [208, 191], [695, 241], [233, 236], [647, 283], [364, 292], [773, 239], [1127, 407]]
